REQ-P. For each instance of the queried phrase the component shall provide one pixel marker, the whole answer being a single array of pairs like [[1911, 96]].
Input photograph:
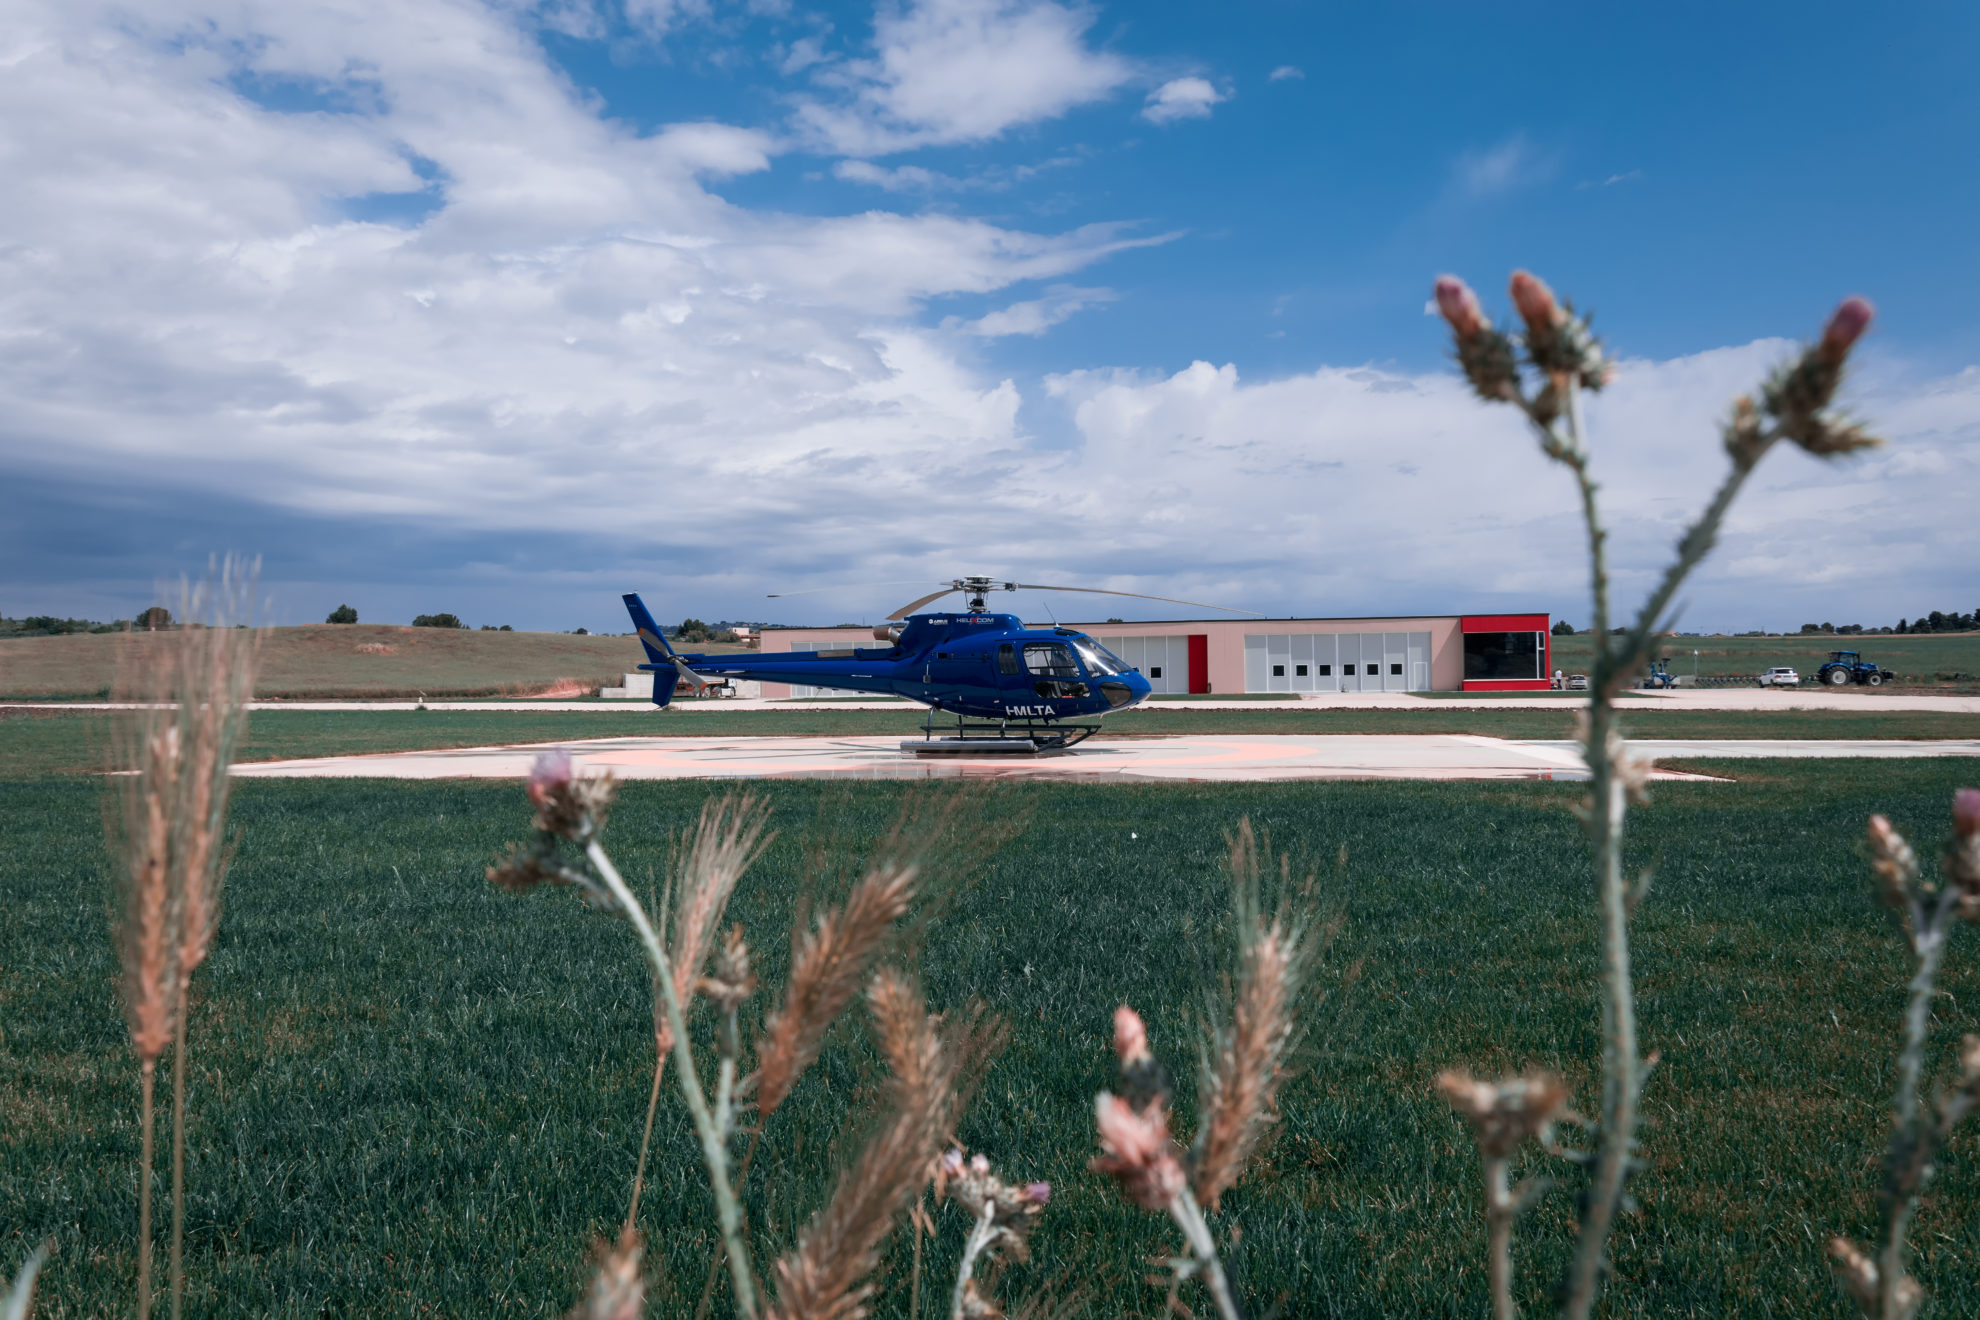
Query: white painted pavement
[[1228, 758]]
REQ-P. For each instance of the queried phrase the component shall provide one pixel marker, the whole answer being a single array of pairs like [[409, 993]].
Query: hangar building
[[1443, 653]]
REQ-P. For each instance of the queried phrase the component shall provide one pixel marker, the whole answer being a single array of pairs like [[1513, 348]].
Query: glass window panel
[[1502, 655], [1051, 659]]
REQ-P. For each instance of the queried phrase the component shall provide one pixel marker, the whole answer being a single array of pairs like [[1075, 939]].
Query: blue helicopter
[[1032, 688]]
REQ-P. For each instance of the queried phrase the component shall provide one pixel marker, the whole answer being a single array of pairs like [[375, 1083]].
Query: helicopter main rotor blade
[[914, 605], [1102, 591], [848, 586]]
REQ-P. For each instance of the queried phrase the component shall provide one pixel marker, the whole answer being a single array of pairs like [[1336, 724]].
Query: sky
[[503, 308]]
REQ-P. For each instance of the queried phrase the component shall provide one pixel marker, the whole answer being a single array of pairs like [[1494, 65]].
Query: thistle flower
[[1559, 343], [1484, 353], [1892, 862], [1130, 1037], [1961, 862], [1504, 1114], [1459, 306], [1798, 392], [1859, 1277], [1137, 1151], [568, 805], [618, 1290], [1846, 325], [1535, 303], [1012, 1211]]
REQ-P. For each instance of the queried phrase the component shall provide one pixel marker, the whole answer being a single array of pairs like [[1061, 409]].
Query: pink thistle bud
[[1039, 1193], [979, 1164], [1459, 306], [1130, 1037], [1966, 812], [1535, 301], [549, 775], [1845, 327], [952, 1162]]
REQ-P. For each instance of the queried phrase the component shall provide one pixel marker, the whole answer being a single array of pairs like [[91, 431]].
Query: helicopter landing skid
[[985, 738]]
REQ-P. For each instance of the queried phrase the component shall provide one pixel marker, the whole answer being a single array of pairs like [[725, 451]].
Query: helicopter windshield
[[1100, 662], [1050, 660]]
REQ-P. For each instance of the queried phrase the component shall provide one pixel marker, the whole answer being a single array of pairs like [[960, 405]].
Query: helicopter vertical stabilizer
[[665, 666]]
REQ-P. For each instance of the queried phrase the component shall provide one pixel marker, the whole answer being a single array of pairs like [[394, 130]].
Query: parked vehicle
[[1660, 675], [1577, 682], [1845, 667], [1780, 676]]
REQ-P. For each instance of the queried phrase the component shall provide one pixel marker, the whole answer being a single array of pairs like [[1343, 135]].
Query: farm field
[[1918, 659], [344, 660], [414, 1094], [36, 742]]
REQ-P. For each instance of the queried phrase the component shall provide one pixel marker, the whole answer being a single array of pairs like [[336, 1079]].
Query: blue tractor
[[1845, 667], [1659, 676]]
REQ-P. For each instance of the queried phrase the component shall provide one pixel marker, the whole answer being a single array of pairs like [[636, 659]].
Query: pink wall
[[1224, 637]]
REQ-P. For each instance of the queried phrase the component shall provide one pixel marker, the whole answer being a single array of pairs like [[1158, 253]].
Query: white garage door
[[1163, 661], [1337, 662]]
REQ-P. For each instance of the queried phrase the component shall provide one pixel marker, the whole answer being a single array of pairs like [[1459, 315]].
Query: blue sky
[[505, 308]]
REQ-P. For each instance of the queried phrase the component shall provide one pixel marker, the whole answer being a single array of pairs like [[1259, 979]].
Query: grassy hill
[[345, 660], [1919, 659]]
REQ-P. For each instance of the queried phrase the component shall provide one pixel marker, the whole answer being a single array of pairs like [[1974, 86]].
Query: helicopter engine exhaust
[[887, 632]]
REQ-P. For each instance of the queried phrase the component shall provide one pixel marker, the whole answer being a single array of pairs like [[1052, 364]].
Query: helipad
[[1236, 757]]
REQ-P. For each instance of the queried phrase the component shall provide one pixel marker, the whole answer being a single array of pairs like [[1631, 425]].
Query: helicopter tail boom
[[665, 665]]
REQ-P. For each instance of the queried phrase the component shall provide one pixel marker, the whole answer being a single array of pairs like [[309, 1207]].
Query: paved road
[[1231, 758], [1856, 699]]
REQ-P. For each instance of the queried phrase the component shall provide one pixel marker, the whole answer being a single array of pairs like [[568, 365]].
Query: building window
[[1504, 655], [1299, 671], [1395, 669], [1348, 670], [1326, 671], [1278, 671], [1154, 671]]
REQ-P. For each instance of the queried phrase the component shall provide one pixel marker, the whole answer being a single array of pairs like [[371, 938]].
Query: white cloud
[[1285, 71], [902, 178], [1181, 98], [1511, 164], [582, 337], [1036, 316], [948, 71]]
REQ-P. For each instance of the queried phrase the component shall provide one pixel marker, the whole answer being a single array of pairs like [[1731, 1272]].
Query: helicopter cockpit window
[[1100, 662], [1050, 660], [1007, 659]]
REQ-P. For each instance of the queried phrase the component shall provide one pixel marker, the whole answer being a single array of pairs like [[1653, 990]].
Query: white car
[[1780, 676]]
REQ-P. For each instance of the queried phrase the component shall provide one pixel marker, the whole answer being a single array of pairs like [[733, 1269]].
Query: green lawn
[[1918, 659], [66, 742], [414, 1095]]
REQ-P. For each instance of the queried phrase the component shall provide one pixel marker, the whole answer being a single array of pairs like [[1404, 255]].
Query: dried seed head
[[1459, 306], [1892, 862], [523, 870], [1138, 1153], [1746, 440], [1505, 1113], [1858, 1275], [1846, 325], [1966, 812], [729, 981], [1969, 1061], [617, 1291], [1130, 1037]]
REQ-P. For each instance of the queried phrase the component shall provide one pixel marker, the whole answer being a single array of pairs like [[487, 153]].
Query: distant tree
[[1901, 627], [580, 632], [342, 614], [1562, 628], [694, 630], [1811, 627], [438, 621], [153, 619], [488, 627], [505, 628]]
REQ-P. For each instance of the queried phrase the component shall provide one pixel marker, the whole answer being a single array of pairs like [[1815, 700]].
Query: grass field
[[414, 1095], [345, 660], [1917, 659], [70, 742]]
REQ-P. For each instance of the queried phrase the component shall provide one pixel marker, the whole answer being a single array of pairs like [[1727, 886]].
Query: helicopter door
[[1054, 671]]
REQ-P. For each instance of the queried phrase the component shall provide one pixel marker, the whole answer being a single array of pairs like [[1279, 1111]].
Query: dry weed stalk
[[1503, 1116], [1244, 1062], [19, 1301], [618, 1288], [932, 1073], [932, 1070], [1927, 914], [1002, 1216], [1543, 369], [168, 829]]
